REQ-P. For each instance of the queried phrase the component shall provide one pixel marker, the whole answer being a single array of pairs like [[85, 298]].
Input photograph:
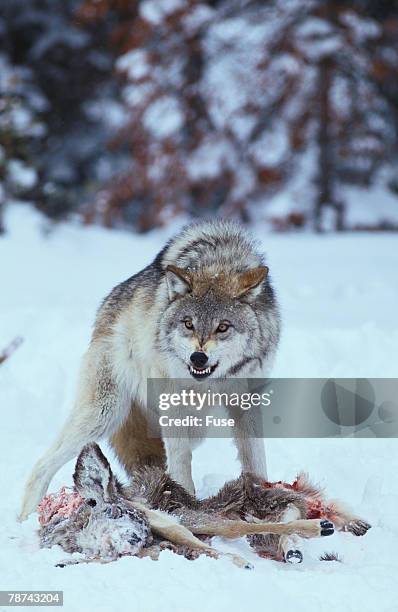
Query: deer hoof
[[357, 527], [294, 556], [327, 528]]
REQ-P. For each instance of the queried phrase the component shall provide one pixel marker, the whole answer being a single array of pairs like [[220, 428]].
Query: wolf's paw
[[327, 528], [294, 556], [358, 527]]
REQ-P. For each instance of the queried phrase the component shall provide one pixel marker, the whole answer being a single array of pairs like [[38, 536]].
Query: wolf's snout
[[199, 359], [199, 368]]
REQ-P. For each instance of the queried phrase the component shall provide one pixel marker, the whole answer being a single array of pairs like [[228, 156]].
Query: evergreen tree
[[57, 73], [140, 110], [230, 103]]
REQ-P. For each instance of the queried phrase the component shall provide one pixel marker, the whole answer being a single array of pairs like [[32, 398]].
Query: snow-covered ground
[[339, 296]]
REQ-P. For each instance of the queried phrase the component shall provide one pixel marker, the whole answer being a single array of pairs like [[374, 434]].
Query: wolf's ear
[[179, 281], [250, 280], [93, 476]]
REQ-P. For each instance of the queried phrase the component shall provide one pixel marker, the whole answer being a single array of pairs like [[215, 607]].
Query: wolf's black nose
[[199, 359]]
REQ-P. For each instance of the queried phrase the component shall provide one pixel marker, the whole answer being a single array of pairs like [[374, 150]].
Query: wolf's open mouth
[[200, 373]]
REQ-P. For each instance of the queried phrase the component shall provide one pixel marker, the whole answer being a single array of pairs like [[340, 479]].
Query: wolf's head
[[218, 323]]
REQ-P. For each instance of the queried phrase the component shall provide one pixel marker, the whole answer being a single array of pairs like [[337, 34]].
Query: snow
[[272, 146], [363, 28], [286, 63], [318, 49], [164, 117], [19, 98], [136, 95], [135, 63], [339, 297], [155, 11], [370, 206], [208, 160], [20, 174], [233, 61], [197, 18], [316, 38], [73, 38], [112, 113]]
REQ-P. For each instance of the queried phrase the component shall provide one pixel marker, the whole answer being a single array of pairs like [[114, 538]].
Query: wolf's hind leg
[[68, 444], [134, 444], [99, 409]]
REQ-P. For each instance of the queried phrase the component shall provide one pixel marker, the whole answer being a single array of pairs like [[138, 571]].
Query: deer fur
[[154, 512]]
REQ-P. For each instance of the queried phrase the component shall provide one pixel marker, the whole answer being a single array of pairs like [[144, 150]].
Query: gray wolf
[[153, 512], [203, 308]]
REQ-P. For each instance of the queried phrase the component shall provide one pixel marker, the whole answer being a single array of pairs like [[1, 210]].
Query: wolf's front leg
[[99, 409], [179, 461], [251, 452], [251, 455]]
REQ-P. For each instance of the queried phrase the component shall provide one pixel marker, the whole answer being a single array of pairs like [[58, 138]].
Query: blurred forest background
[[130, 113]]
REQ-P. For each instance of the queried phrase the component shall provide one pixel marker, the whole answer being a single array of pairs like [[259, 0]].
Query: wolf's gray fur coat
[[208, 290]]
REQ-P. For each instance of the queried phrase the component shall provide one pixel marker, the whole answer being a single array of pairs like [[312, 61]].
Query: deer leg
[[152, 552], [75, 561], [306, 528], [344, 519], [167, 527], [290, 545]]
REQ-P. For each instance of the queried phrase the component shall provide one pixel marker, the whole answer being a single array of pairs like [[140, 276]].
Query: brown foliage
[[222, 104]]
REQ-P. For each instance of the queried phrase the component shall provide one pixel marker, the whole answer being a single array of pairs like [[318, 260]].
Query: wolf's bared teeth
[[204, 372]]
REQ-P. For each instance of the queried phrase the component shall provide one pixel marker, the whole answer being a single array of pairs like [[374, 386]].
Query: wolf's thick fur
[[207, 291]]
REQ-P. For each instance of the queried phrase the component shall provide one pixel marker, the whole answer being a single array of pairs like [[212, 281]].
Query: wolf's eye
[[188, 324], [222, 328]]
